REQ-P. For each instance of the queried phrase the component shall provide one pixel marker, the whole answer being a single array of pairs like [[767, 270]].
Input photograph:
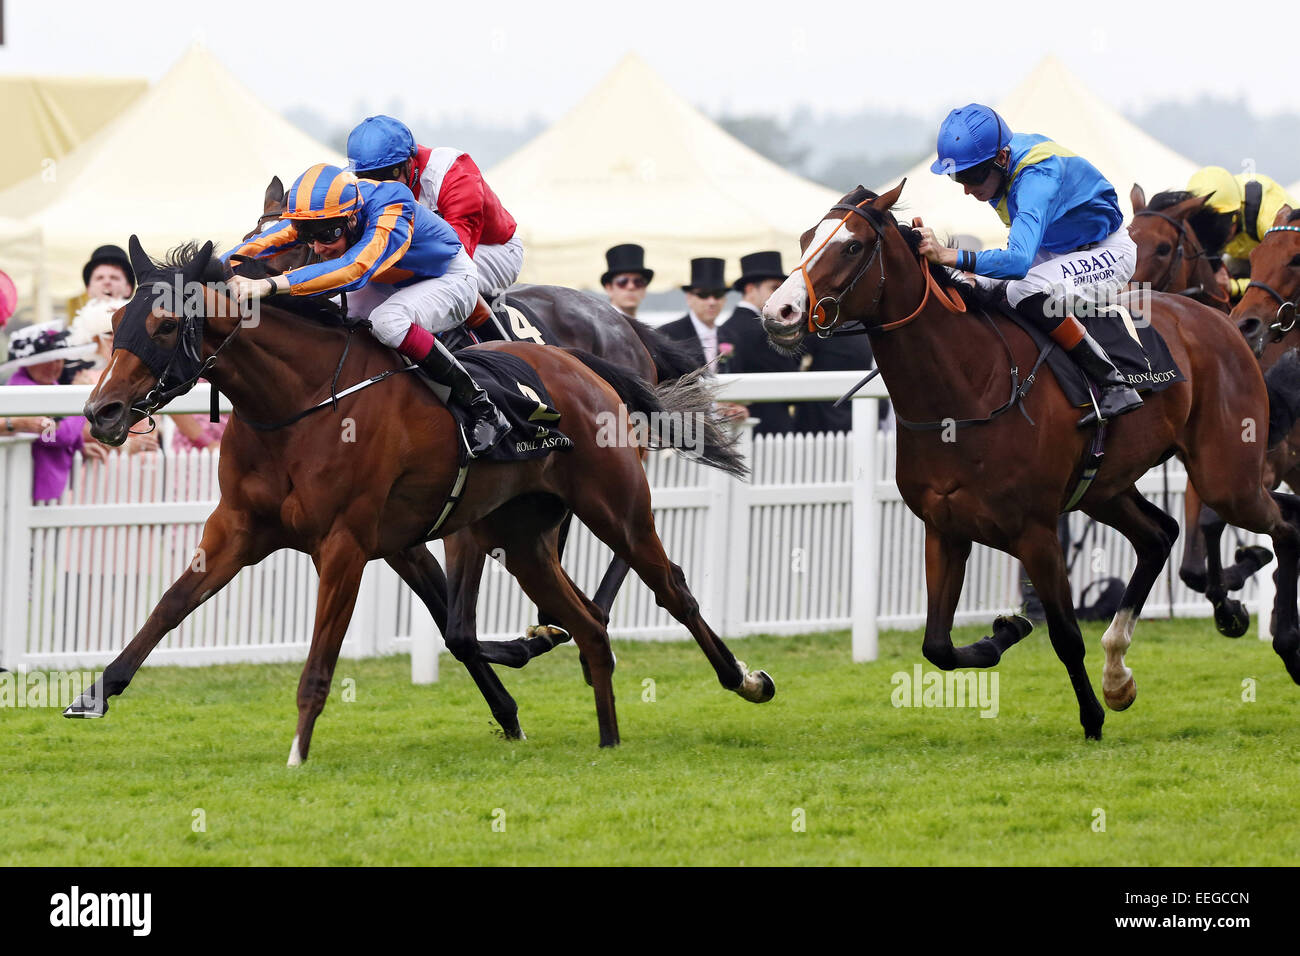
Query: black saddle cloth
[[1145, 362], [517, 390]]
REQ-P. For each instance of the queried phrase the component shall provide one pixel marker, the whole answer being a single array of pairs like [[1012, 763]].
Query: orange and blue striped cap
[[323, 192]]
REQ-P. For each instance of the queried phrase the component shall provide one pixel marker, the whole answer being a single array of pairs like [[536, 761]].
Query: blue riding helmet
[[379, 142], [969, 136]]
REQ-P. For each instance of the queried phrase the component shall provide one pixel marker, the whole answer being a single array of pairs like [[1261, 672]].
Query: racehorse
[[555, 316], [1170, 258], [283, 487], [1003, 480]]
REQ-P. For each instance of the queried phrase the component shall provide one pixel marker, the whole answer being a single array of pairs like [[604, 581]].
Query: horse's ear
[[141, 264], [1138, 198], [1186, 207], [274, 195], [888, 199], [1282, 216], [199, 264]]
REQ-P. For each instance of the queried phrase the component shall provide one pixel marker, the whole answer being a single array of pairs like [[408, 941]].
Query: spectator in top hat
[[705, 295], [626, 278], [108, 274], [761, 275]]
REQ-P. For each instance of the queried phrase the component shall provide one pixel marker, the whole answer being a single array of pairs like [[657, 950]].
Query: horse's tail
[[672, 358], [678, 414], [1283, 383]]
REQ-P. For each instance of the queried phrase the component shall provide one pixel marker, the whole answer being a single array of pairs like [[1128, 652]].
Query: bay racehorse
[[380, 491], [1004, 480], [555, 316], [1170, 258]]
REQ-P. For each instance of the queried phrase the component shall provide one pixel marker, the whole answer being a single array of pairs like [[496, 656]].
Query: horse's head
[[837, 252], [157, 340], [1267, 312], [293, 257], [1169, 255]]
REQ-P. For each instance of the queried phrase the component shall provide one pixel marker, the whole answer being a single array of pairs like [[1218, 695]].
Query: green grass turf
[[1190, 774]]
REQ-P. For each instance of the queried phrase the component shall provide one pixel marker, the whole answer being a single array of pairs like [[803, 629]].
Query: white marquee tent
[[1053, 102], [189, 159], [634, 162]]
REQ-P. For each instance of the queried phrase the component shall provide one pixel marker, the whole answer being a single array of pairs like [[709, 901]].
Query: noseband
[[818, 320]]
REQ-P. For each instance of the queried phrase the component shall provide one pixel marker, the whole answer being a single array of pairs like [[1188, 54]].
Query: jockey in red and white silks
[[448, 182]]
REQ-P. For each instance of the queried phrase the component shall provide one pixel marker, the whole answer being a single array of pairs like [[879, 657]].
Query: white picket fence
[[803, 547]]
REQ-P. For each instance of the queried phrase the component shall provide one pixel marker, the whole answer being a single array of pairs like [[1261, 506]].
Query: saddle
[[1126, 333]]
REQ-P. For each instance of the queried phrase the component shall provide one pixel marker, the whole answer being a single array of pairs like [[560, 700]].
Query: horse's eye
[[1164, 249], [853, 248], [166, 327]]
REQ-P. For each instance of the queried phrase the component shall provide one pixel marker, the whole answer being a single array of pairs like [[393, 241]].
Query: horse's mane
[[971, 295], [312, 308], [1295, 215], [1211, 228]]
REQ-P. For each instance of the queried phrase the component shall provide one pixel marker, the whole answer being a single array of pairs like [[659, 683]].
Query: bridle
[[1287, 307], [824, 325], [818, 322], [1177, 259]]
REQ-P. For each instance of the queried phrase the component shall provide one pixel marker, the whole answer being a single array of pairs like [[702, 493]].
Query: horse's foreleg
[[1040, 552], [228, 544], [945, 572], [1152, 534], [339, 563], [1230, 616]]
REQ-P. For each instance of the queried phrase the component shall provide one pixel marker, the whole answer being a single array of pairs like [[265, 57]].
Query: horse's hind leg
[[421, 571], [1040, 552], [1286, 541], [1152, 534], [627, 527], [533, 561], [1192, 570], [1230, 615]]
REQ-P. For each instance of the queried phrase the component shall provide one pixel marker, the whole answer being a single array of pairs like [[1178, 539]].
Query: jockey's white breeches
[[1094, 275], [435, 305], [498, 267]]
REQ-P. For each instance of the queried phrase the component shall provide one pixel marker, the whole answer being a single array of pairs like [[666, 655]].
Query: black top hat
[[706, 275], [758, 266], [108, 255], [628, 257]]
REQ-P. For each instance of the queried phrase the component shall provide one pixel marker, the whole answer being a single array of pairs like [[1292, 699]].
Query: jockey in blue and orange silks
[[402, 266], [1067, 248]]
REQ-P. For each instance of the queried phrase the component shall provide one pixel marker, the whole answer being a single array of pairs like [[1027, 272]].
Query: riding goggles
[[974, 175], [326, 232]]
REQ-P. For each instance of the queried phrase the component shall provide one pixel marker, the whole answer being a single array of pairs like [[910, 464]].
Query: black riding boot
[[487, 425], [1117, 396]]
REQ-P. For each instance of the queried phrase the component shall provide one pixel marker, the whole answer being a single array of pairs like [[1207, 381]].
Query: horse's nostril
[[1249, 327], [787, 310], [108, 413]]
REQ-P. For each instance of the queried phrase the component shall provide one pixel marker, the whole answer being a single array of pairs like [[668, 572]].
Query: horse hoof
[[1092, 734], [1123, 699], [1018, 624], [1231, 618], [1193, 579], [757, 687], [87, 705], [295, 758]]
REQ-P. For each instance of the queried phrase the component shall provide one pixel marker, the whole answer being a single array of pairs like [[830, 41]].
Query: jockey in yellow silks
[[1245, 207]]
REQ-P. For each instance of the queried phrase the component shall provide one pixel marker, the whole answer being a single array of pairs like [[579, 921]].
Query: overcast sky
[[503, 60]]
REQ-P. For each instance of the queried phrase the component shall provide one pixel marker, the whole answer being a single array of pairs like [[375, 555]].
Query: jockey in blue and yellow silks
[[403, 267], [1240, 210], [1067, 247]]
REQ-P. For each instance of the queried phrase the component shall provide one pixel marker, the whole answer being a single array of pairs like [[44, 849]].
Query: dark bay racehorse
[[1004, 480], [381, 493], [555, 316]]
